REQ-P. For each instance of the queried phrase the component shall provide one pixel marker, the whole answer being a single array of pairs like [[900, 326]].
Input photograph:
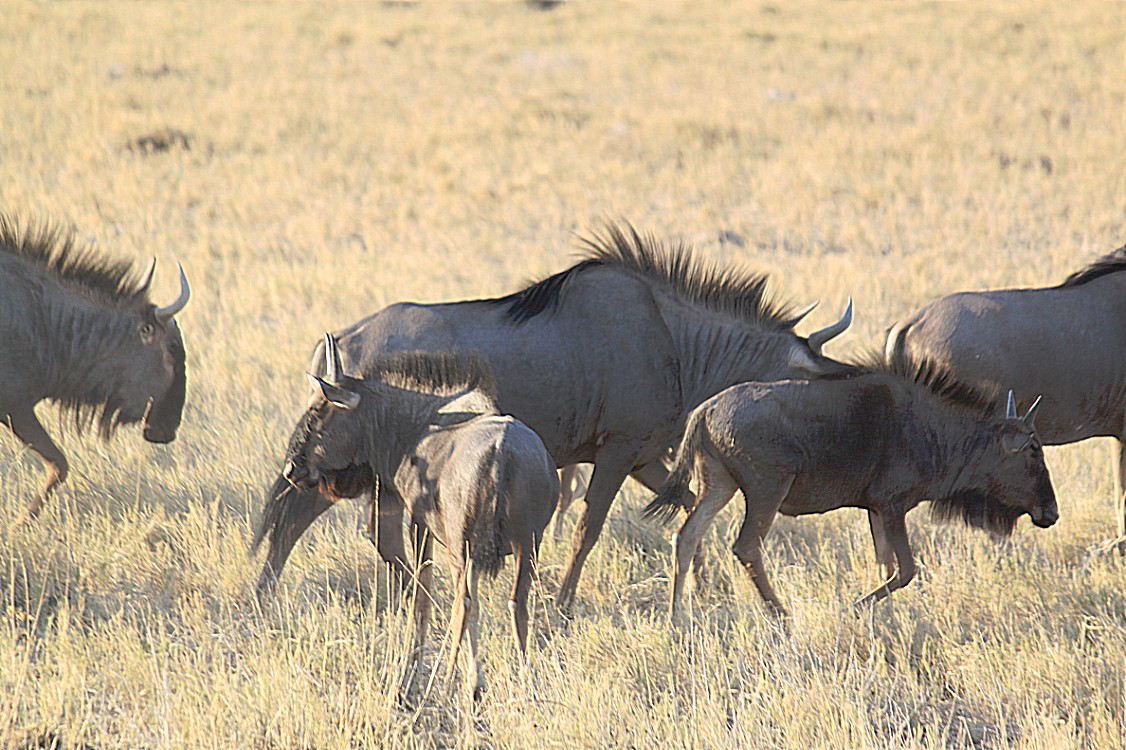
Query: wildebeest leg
[[716, 490], [610, 470], [518, 604], [653, 476], [27, 428], [763, 497], [1120, 495], [423, 573], [885, 555], [389, 540], [567, 476], [895, 530], [465, 620]]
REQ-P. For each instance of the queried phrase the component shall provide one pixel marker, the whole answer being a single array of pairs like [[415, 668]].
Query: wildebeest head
[[1007, 477], [152, 378], [325, 448]]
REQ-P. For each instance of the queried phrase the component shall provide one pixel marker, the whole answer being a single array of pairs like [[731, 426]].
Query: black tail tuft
[[673, 495]]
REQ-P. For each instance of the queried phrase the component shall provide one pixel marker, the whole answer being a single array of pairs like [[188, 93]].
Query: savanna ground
[[310, 163]]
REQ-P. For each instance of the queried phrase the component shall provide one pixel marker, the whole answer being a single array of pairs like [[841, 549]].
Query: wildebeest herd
[[641, 359]]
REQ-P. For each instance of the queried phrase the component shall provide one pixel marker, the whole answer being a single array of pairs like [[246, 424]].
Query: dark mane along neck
[[930, 376], [1112, 262], [46, 250], [436, 374], [729, 291]]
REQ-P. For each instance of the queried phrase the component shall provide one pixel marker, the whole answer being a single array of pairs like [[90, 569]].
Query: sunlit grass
[[343, 157]]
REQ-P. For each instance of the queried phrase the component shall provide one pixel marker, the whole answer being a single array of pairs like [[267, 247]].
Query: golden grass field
[[342, 156]]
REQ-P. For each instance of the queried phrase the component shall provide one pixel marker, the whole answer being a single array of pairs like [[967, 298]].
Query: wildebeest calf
[[425, 427], [884, 441]]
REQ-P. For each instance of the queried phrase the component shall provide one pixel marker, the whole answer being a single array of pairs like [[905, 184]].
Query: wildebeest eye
[[148, 330]]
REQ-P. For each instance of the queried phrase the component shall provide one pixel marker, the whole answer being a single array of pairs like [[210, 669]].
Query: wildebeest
[[1064, 342], [78, 328], [603, 360], [426, 429], [884, 440]]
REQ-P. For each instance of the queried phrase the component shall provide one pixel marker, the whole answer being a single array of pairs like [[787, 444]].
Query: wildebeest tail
[[488, 538], [673, 495]]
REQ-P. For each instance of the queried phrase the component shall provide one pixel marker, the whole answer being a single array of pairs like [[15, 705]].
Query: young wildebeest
[[77, 328], [604, 360], [1064, 342], [884, 441], [426, 427]]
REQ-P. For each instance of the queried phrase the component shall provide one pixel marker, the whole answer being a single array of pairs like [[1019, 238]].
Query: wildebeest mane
[[732, 292], [1112, 262], [925, 372], [440, 374], [49, 250]]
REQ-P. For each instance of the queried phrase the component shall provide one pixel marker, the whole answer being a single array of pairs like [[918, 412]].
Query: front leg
[[611, 467], [387, 512], [27, 428], [885, 555]]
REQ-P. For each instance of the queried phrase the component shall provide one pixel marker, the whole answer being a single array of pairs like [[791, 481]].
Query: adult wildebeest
[[1064, 342], [426, 429], [77, 328], [884, 440], [603, 360]]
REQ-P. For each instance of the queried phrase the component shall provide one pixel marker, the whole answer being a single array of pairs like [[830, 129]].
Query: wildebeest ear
[[341, 398]]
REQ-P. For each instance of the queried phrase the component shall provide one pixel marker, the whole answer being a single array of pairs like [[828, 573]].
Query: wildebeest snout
[[160, 435], [1046, 516]]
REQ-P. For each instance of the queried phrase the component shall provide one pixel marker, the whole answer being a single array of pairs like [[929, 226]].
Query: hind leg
[[763, 497], [653, 476], [465, 623], [518, 604], [716, 490], [423, 572]]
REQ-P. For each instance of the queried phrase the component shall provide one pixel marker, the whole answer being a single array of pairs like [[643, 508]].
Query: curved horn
[[1011, 406], [166, 313], [1030, 416], [333, 367], [818, 339], [800, 314], [146, 280]]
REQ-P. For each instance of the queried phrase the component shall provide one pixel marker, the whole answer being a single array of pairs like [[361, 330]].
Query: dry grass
[[310, 163]]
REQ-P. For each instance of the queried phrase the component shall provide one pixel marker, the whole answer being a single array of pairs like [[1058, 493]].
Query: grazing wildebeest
[[1064, 342], [603, 360], [425, 428], [884, 440], [77, 328]]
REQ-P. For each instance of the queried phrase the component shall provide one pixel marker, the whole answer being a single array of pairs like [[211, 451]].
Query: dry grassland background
[[310, 163]]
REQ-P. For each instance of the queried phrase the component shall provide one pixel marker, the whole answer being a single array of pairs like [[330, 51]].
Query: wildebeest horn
[[166, 313], [818, 339], [1030, 416], [333, 367], [1011, 406], [800, 314], [146, 280]]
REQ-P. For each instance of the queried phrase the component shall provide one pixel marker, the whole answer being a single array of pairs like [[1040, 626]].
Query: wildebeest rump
[[602, 360], [884, 441], [78, 328], [425, 427], [1065, 342]]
